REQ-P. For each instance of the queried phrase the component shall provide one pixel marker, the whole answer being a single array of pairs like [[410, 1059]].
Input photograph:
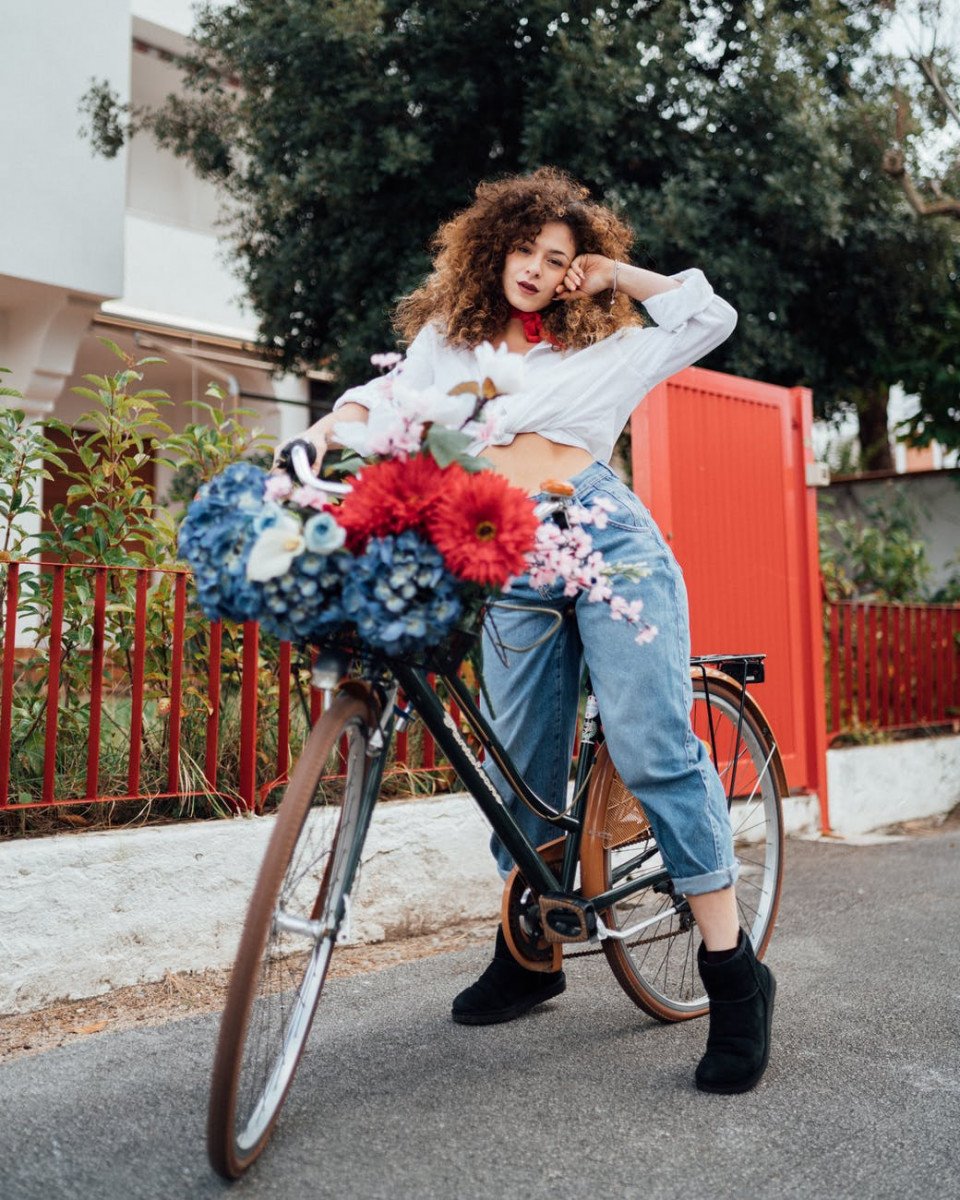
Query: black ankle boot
[[505, 990], [741, 992]]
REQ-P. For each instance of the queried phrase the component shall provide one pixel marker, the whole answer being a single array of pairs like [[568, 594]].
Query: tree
[[728, 133], [921, 153]]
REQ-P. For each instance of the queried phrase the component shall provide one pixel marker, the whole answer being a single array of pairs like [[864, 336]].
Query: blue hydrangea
[[216, 537], [400, 595], [306, 601]]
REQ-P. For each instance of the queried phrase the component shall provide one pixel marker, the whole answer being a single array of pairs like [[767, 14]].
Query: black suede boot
[[505, 990], [741, 992]]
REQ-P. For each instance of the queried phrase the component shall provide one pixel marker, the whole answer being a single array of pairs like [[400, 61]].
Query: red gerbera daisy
[[483, 527], [391, 496]]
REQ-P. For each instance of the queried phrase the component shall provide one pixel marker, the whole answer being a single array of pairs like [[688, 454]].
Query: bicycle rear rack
[[744, 668]]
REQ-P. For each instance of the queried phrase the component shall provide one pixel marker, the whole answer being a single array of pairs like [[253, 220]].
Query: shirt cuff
[[369, 395], [672, 309]]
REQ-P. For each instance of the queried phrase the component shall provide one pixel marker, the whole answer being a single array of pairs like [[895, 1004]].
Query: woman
[[535, 266]]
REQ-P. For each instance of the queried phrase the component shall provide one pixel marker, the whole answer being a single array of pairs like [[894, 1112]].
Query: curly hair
[[464, 291]]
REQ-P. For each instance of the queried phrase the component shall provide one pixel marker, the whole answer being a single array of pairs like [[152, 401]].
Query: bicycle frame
[[536, 871], [422, 697]]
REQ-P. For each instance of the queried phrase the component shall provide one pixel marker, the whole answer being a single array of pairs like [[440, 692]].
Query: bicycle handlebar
[[297, 459]]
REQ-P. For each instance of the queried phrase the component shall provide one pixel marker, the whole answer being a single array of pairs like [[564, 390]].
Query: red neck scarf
[[533, 329]]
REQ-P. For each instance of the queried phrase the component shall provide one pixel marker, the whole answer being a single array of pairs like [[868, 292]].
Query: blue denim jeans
[[644, 693]]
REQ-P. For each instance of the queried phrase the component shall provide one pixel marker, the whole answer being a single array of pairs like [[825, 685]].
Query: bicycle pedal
[[566, 919]]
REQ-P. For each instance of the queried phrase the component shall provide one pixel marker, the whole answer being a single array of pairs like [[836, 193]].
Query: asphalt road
[[586, 1098]]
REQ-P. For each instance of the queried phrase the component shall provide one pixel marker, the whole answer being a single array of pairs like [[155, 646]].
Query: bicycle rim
[[657, 967], [296, 911]]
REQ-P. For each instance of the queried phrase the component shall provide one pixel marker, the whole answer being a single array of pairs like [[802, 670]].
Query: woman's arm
[[416, 369], [691, 319]]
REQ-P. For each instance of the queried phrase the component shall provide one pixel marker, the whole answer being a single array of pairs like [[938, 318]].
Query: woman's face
[[533, 269]]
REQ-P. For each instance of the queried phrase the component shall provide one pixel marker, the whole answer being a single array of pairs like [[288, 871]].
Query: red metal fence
[[117, 667], [124, 693], [892, 666]]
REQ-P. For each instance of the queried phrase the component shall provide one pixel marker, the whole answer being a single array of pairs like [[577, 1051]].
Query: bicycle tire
[[657, 968], [280, 970]]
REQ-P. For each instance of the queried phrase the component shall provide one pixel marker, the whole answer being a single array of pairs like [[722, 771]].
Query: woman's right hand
[[320, 433], [317, 435]]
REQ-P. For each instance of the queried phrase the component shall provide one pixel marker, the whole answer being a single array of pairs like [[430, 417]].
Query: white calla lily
[[275, 549], [506, 371]]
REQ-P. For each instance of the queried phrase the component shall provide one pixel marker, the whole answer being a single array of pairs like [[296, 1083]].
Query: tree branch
[[932, 76], [944, 206]]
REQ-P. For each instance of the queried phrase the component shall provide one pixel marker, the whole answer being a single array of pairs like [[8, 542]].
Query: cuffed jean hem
[[713, 881]]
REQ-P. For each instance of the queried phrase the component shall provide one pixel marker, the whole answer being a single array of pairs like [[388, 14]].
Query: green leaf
[[446, 445], [350, 464], [112, 347], [474, 464]]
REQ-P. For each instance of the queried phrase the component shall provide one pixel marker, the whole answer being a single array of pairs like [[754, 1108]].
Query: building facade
[[133, 248]]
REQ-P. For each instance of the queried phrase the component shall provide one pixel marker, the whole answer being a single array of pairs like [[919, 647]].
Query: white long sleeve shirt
[[577, 397]]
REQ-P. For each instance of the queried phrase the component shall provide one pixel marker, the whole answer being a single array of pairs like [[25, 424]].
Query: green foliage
[[930, 367], [878, 555], [113, 522], [24, 451], [747, 138], [204, 449], [949, 591], [113, 519]]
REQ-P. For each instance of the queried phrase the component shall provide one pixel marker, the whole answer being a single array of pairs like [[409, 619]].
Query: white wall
[[180, 276], [87, 914], [160, 185], [62, 207], [174, 14]]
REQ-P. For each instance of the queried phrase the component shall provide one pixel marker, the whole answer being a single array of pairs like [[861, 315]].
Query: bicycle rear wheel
[[296, 911], [657, 967]]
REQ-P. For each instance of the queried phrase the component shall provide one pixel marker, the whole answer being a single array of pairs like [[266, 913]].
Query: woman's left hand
[[587, 275]]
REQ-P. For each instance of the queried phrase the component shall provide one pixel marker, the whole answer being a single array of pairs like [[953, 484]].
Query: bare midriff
[[531, 458]]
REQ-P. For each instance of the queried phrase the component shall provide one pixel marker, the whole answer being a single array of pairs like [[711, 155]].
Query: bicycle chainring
[[520, 917]]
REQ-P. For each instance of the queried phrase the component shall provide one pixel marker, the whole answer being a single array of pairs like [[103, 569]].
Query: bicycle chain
[[657, 937]]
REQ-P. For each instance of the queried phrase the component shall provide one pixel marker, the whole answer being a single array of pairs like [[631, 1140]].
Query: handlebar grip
[[285, 459]]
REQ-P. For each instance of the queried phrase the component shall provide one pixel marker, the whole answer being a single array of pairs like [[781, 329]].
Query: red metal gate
[[721, 462]]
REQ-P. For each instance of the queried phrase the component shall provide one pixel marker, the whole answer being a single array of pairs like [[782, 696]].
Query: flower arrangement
[[426, 536]]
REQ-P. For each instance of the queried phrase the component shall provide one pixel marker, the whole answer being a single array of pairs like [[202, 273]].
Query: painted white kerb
[[874, 786], [83, 914]]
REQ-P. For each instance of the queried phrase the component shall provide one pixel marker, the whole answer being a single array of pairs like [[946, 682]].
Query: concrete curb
[[83, 914], [874, 786]]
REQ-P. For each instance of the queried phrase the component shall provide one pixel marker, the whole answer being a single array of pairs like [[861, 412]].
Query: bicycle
[[601, 881]]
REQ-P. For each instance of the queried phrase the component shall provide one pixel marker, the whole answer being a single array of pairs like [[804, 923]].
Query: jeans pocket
[[627, 511]]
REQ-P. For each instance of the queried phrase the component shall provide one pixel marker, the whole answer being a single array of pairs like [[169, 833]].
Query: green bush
[[879, 555]]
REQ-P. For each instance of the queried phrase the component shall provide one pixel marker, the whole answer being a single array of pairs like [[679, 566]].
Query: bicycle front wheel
[[297, 908], [657, 965]]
